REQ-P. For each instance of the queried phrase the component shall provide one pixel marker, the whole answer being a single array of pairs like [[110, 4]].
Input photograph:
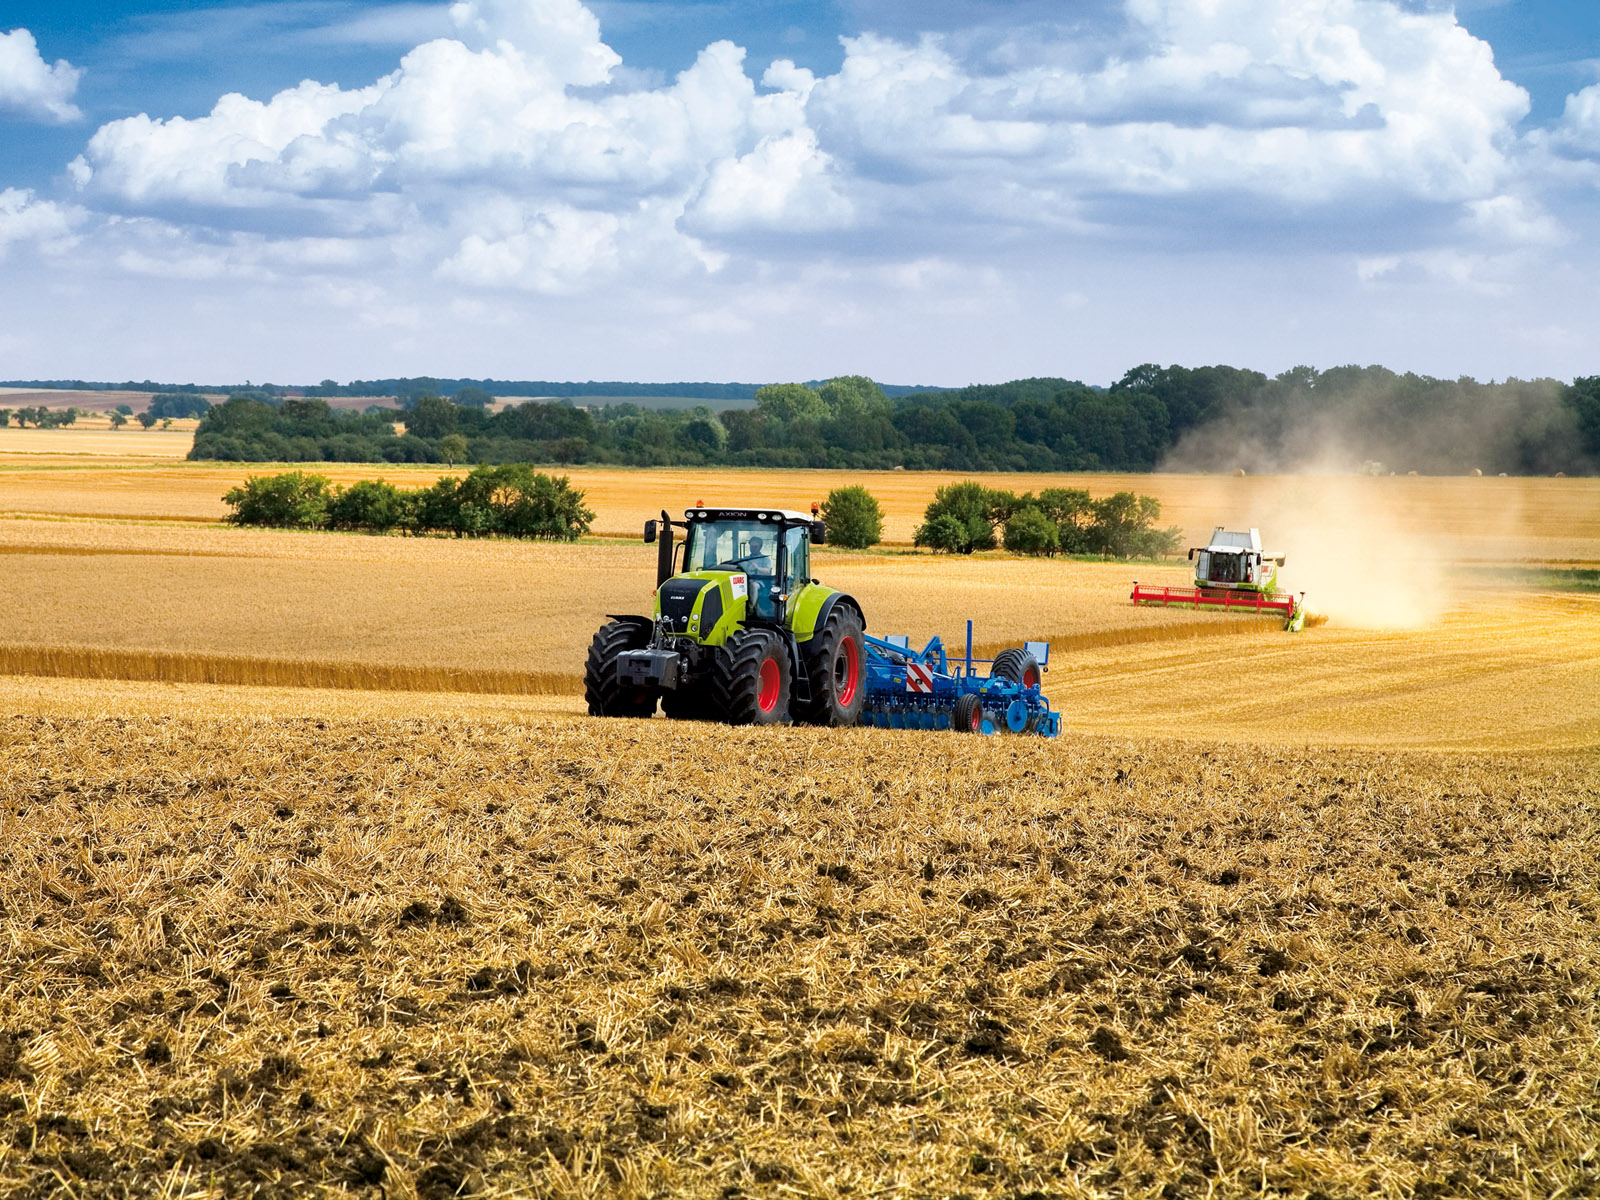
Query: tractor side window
[[797, 550]]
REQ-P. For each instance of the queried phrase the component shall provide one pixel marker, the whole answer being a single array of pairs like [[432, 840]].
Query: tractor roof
[[781, 516]]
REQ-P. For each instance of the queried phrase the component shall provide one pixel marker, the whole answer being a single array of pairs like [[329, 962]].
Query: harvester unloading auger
[[741, 633], [1232, 574]]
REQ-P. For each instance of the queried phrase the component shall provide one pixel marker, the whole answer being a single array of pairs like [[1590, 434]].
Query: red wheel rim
[[767, 698], [977, 720], [849, 665], [1030, 677]]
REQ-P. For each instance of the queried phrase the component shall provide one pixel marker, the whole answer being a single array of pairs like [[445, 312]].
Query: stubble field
[[1278, 915]]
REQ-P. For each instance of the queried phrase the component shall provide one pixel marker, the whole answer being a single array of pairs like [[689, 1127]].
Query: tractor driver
[[758, 565], [759, 561]]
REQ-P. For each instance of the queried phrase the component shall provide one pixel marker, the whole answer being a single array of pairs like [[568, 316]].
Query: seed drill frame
[[926, 689]]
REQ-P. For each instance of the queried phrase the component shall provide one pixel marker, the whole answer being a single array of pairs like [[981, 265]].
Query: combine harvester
[[1232, 574], [740, 632]]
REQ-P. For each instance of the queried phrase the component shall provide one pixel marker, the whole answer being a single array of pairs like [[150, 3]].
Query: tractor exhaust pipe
[[664, 550]]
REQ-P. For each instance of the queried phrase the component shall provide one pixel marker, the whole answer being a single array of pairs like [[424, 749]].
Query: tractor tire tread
[[605, 696], [818, 654], [735, 682]]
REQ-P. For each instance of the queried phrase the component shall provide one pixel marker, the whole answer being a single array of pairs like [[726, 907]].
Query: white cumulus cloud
[[520, 152], [32, 87], [27, 220]]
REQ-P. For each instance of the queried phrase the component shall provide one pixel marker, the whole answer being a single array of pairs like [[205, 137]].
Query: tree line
[[966, 517], [512, 500], [39, 418], [1205, 418]]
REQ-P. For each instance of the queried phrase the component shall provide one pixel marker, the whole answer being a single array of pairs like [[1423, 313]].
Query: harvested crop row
[[630, 957]]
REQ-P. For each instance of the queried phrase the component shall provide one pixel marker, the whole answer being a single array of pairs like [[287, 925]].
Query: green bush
[[852, 518], [1123, 527], [946, 533], [295, 500], [961, 518], [1029, 531], [511, 499], [368, 504]]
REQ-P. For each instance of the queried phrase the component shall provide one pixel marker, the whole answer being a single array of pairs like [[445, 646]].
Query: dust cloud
[[1354, 560]]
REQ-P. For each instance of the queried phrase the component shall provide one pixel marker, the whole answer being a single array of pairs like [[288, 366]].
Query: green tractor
[[741, 632]]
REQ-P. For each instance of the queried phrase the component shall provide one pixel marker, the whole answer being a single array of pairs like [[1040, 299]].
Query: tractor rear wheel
[[607, 696], [1016, 665], [750, 679], [968, 716], [836, 662]]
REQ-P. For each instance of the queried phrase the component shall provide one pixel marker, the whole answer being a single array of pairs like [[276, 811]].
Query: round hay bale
[[1475, 473], [1561, 474], [1409, 473], [1238, 472]]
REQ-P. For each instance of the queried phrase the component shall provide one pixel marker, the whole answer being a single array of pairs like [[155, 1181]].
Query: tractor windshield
[[748, 546]]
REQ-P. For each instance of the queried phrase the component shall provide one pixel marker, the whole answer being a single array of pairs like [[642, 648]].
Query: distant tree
[[1029, 531], [1583, 399], [5, 417], [785, 402], [166, 422], [852, 518], [179, 404], [1070, 510], [852, 396], [472, 397], [118, 420], [125, 410], [432, 418], [971, 506], [295, 500], [1123, 527], [147, 419], [453, 448]]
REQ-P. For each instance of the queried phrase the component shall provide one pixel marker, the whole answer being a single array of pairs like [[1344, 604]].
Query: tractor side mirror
[[1191, 553], [819, 533], [1258, 560], [649, 531]]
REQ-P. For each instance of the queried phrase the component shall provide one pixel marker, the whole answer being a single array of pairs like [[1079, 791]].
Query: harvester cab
[[1234, 561], [740, 631]]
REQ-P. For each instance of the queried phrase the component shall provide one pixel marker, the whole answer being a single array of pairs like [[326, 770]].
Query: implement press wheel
[[750, 679], [608, 697], [1016, 665], [968, 715], [835, 659]]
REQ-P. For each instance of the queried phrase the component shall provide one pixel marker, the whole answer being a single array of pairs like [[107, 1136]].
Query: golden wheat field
[[318, 881], [457, 956]]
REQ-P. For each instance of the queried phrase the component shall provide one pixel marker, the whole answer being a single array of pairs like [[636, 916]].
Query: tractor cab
[[760, 558], [769, 548]]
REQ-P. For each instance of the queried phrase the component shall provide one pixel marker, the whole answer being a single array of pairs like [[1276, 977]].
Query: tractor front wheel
[[606, 695], [750, 679], [836, 662]]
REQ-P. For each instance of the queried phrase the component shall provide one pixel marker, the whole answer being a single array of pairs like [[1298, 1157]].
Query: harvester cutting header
[[742, 633], [1234, 574]]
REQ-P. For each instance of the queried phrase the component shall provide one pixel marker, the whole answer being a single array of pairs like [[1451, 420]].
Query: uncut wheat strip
[[87, 662]]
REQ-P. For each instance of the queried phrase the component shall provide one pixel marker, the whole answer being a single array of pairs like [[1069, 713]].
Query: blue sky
[[946, 192]]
